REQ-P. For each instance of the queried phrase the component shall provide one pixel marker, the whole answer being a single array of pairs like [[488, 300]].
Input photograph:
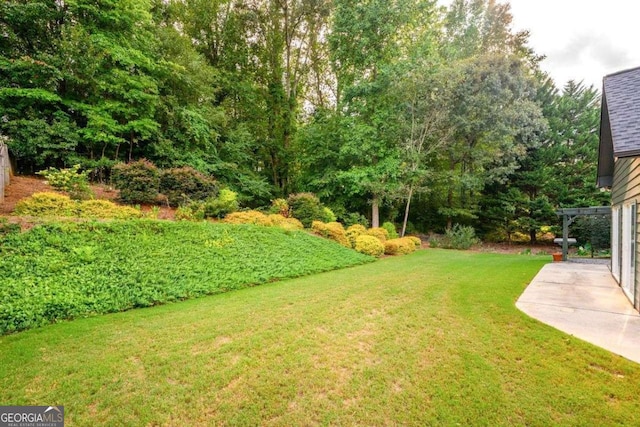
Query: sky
[[583, 40]]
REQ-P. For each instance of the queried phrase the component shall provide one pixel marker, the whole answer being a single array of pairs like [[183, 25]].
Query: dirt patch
[[22, 187]]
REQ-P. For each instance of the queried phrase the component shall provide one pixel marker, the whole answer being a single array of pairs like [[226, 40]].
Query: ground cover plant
[[431, 338], [62, 271]]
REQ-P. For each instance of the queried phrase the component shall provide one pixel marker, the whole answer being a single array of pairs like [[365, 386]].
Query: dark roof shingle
[[622, 94]]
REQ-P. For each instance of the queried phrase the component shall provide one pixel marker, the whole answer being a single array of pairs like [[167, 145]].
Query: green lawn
[[432, 338]]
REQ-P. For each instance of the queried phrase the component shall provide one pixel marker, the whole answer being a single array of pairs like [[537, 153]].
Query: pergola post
[[565, 237]]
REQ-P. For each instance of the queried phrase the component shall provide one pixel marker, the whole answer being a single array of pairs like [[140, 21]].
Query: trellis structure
[[570, 214]]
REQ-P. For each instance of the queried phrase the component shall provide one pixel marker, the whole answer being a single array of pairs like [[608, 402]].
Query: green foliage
[[369, 245], [138, 181], [70, 180], [306, 207], [58, 205], [181, 185], [379, 233], [328, 215], [225, 203], [258, 218], [352, 218], [333, 231], [459, 237], [75, 270], [280, 206], [7, 227], [391, 230], [399, 246], [353, 232]]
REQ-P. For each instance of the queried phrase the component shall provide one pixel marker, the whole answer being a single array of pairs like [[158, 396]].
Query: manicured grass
[[431, 338], [60, 271]]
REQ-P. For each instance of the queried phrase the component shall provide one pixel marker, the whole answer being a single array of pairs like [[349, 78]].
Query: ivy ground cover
[[431, 338], [66, 270]]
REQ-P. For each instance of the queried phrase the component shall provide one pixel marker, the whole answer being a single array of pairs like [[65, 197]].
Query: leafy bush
[[194, 211], [333, 231], [182, 185], [369, 245], [306, 207], [58, 205], [399, 246], [97, 209], [72, 181], [277, 220], [63, 271], [46, 204], [379, 233], [138, 182], [328, 215], [258, 218], [391, 230], [225, 203], [416, 241], [459, 237], [281, 207], [248, 217], [353, 232], [350, 219]]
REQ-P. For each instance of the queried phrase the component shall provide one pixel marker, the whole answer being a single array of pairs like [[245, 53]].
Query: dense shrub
[[416, 241], [72, 181], [306, 207], [248, 217], [354, 231], [181, 185], [391, 230], [277, 220], [138, 182], [281, 207], [352, 218], [332, 230], [457, 237], [225, 203], [328, 215], [194, 211], [258, 218], [46, 204], [96, 209], [369, 245], [59, 205], [379, 233], [399, 246], [63, 271]]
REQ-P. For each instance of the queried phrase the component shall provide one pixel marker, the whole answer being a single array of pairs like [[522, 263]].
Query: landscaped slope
[[432, 338], [63, 271]]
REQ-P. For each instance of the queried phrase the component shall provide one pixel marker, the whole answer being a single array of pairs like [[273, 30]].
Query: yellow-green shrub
[[400, 246], [105, 209], [354, 231], [277, 220], [332, 230], [416, 241], [46, 204], [247, 217], [258, 218], [54, 204], [379, 233], [369, 245]]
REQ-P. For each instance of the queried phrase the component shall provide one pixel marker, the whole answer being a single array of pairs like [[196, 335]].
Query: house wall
[[626, 189]]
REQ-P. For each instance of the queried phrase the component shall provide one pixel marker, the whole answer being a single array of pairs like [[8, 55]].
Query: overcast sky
[[582, 39]]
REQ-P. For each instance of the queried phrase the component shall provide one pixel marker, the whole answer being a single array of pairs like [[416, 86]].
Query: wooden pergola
[[570, 214]]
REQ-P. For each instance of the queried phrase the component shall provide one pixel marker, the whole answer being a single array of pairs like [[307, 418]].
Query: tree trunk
[[406, 212], [532, 236], [375, 212]]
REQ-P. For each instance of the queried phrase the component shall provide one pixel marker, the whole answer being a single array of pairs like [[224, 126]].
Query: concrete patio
[[584, 300]]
